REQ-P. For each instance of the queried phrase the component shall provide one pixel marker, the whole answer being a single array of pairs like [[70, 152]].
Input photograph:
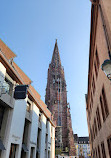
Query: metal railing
[[5, 87]]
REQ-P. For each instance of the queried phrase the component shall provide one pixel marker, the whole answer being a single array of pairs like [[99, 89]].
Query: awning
[[25, 148], [2, 146]]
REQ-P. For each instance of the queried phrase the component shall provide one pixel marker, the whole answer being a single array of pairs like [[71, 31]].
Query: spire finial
[[56, 56], [56, 40]]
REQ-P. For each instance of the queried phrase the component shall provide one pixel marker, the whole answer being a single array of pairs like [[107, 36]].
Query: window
[[53, 76], [46, 139], [96, 63], [93, 132], [91, 103], [93, 85], [96, 156], [97, 60], [32, 152], [95, 69], [89, 113], [38, 143], [99, 155], [46, 123], [58, 76], [105, 102], [13, 151], [40, 115], [59, 121], [95, 126], [104, 106], [93, 153], [55, 102], [28, 106], [109, 145], [103, 150], [2, 109], [98, 118]]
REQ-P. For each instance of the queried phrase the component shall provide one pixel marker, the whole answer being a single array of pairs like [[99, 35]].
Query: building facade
[[98, 98], [26, 127], [82, 146], [56, 99]]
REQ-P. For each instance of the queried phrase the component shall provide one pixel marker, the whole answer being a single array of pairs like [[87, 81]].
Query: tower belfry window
[[58, 76], [59, 121], [53, 80]]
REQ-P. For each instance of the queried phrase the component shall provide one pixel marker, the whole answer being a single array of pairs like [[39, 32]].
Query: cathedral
[[56, 100]]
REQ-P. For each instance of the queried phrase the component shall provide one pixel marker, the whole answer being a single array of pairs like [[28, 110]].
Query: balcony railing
[[6, 93], [6, 87]]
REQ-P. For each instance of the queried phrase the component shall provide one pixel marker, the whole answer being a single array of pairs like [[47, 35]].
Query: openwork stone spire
[[56, 57], [56, 100]]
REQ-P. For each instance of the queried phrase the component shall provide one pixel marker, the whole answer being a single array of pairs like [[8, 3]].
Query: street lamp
[[106, 67]]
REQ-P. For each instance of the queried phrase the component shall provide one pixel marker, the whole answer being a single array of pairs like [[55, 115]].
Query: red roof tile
[[23, 76], [6, 51]]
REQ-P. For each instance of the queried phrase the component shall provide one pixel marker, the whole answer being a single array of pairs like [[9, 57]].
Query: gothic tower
[[56, 100]]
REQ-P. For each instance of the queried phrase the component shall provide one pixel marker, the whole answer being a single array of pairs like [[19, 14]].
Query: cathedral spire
[[56, 57], [56, 100]]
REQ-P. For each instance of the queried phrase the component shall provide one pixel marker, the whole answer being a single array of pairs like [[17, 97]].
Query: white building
[[26, 128], [82, 146]]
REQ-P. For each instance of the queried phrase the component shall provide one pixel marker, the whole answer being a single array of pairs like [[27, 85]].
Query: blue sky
[[29, 28]]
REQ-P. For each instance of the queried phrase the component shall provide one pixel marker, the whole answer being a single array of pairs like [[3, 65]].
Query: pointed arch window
[[59, 121]]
